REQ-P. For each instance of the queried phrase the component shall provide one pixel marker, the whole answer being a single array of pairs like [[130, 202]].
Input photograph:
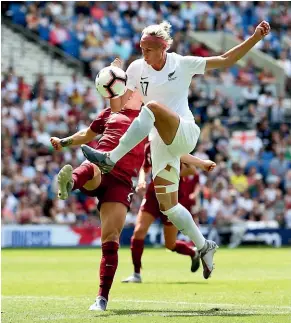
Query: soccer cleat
[[135, 278], [206, 255], [65, 182], [100, 304], [101, 159], [195, 261]]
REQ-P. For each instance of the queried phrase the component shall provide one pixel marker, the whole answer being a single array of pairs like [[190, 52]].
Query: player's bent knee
[[139, 235], [112, 235], [152, 104], [139, 232]]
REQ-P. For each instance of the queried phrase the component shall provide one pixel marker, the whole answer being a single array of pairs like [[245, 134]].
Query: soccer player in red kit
[[113, 190], [149, 212]]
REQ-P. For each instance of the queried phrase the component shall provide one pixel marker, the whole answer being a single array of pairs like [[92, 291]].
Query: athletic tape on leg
[[168, 188], [171, 176]]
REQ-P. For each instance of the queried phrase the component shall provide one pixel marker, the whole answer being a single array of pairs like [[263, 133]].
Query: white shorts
[[184, 142]]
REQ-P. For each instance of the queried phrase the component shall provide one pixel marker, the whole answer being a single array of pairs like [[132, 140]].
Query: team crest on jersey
[[171, 76]]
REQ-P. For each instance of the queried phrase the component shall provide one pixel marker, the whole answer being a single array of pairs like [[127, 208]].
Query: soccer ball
[[111, 82]]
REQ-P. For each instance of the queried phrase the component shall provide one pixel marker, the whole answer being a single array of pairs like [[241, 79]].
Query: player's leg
[[144, 220], [114, 198], [152, 115], [166, 186], [171, 243], [87, 175], [112, 216]]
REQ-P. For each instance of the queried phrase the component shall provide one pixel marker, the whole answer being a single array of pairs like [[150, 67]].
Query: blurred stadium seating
[[248, 135]]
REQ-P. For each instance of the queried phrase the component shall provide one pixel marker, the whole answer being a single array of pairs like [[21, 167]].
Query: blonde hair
[[161, 30]]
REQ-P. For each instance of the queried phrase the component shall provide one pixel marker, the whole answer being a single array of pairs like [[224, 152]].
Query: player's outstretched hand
[[117, 62], [262, 30], [208, 165], [56, 143]]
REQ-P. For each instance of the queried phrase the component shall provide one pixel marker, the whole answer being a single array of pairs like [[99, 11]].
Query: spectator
[[58, 35], [87, 53], [279, 165], [74, 85], [277, 112], [32, 18], [96, 11], [250, 94], [64, 216], [238, 179]]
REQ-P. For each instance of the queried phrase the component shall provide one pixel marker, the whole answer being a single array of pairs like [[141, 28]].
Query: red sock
[[108, 265], [82, 174], [136, 247], [182, 248]]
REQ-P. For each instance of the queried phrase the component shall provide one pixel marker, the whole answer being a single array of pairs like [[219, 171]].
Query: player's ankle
[[204, 247]]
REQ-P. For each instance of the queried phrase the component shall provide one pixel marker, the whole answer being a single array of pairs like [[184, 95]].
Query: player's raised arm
[[79, 138], [236, 53]]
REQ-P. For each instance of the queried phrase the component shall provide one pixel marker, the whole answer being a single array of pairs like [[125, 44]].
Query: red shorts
[[150, 204], [111, 189]]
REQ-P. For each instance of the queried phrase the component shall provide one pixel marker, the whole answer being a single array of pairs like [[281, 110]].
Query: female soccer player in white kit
[[163, 80]]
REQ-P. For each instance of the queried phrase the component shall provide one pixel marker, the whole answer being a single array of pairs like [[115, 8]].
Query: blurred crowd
[[98, 31], [30, 116], [252, 181]]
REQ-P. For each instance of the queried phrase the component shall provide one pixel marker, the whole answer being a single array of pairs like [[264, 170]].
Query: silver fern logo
[[171, 76]]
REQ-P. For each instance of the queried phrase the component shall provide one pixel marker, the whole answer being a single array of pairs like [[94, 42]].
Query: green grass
[[248, 285]]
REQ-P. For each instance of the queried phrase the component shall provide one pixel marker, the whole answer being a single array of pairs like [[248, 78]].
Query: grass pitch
[[248, 285]]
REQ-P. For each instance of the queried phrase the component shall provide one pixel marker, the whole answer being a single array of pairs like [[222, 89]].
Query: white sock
[[183, 221], [137, 131]]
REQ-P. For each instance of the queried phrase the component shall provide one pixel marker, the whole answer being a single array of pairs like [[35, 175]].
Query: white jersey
[[168, 86]]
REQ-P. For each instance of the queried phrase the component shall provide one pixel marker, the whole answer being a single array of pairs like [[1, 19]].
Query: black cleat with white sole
[[101, 159]]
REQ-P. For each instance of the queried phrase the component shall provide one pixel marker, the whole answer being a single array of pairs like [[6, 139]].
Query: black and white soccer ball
[[111, 82]]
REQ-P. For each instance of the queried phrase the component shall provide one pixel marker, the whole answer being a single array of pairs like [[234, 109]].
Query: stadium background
[[51, 52]]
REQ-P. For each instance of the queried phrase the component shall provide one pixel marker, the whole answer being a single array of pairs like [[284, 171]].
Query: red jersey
[[147, 163], [112, 126], [188, 185]]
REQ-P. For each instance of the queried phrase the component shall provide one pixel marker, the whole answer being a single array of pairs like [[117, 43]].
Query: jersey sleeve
[[194, 64], [132, 72], [98, 125]]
